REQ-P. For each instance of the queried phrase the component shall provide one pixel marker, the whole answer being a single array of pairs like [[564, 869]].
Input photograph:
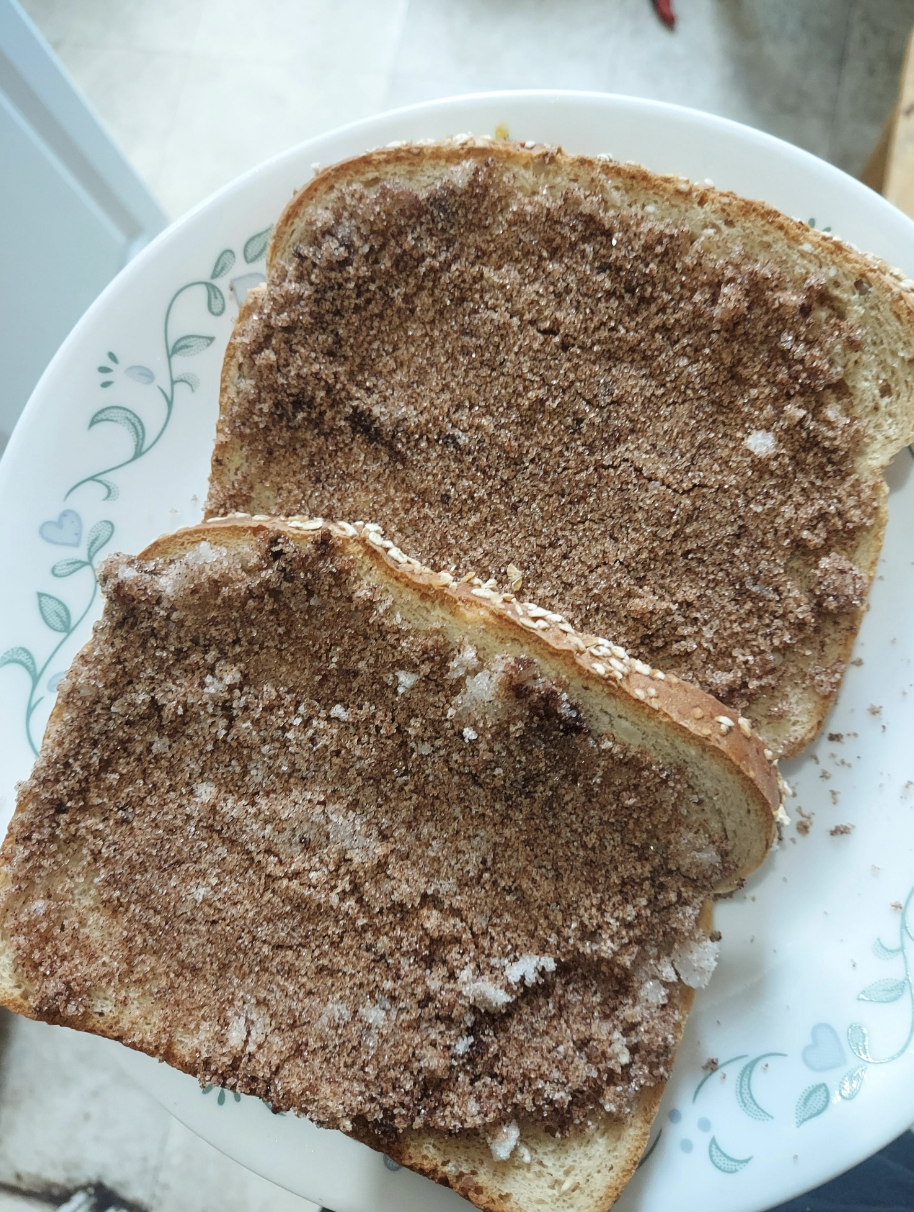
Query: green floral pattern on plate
[[57, 614]]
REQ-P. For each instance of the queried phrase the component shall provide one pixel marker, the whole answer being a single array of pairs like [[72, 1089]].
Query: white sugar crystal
[[528, 968], [237, 1033], [375, 1016], [339, 712], [695, 962], [653, 993], [336, 1012], [462, 1046], [762, 443], [405, 680], [485, 995], [462, 662], [504, 1141], [469, 734], [125, 572]]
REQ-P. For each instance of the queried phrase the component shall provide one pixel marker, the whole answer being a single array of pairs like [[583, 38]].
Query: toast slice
[[385, 848], [666, 408]]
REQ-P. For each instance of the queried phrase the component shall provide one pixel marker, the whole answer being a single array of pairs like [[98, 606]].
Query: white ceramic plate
[[811, 1012]]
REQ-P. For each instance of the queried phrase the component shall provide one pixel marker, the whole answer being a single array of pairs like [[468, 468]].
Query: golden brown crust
[[387, 161]]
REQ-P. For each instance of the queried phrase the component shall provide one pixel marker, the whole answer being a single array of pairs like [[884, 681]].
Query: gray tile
[[234, 112], [163, 26], [351, 35], [869, 79], [53, 17], [775, 65], [70, 1116], [135, 93], [197, 1178]]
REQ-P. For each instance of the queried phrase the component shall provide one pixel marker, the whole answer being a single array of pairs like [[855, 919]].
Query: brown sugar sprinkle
[[350, 865], [841, 830], [657, 436]]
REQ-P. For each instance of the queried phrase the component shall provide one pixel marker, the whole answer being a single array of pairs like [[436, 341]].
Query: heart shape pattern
[[67, 531], [825, 1051]]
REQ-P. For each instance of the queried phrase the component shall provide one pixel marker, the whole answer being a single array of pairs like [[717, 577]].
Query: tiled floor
[[196, 91]]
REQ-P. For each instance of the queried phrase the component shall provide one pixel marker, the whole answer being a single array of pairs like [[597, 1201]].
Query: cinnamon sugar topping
[[359, 866]]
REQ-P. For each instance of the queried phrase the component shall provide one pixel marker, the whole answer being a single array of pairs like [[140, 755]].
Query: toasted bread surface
[[667, 407], [96, 863]]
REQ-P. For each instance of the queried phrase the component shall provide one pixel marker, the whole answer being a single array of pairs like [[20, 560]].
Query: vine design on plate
[[187, 345], [56, 615], [886, 989], [825, 1052], [66, 530]]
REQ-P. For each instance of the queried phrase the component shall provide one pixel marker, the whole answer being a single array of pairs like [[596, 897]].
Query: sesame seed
[[652, 693], [744, 726], [639, 694], [599, 668], [698, 713]]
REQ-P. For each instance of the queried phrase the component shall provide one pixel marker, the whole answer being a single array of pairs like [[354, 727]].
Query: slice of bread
[[668, 408], [318, 824]]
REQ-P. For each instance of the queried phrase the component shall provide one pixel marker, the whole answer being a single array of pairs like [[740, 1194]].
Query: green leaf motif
[[66, 568], [20, 656], [104, 370], [859, 1041], [744, 1095], [215, 299], [118, 415], [224, 263], [99, 535], [108, 383], [255, 248], [850, 1083], [112, 492], [188, 346], [812, 1102], [886, 990], [55, 613], [647, 1155], [192, 380], [881, 951], [723, 1161], [112, 357]]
